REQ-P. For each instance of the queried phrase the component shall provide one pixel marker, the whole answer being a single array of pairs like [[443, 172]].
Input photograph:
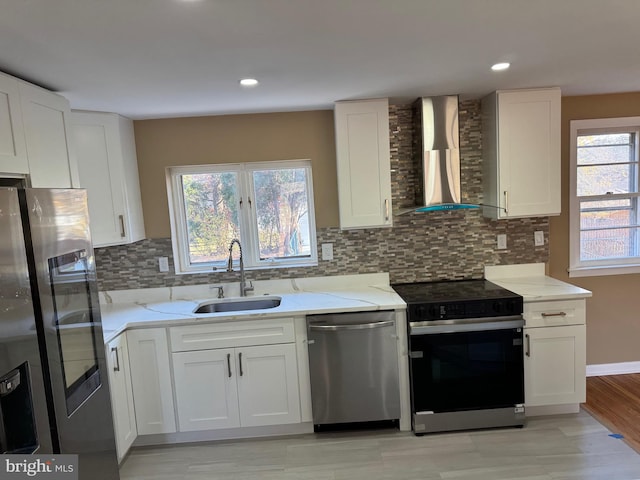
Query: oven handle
[[357, 326], [467, 327]]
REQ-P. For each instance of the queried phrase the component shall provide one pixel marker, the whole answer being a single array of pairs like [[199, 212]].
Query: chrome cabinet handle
[[116, 367], [558, 314], [528, 351], [122, 232], [229, 364], [506, 202], [240, 362], [386, 209]]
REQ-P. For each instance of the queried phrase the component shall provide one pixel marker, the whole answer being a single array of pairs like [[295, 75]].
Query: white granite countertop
[[530, 281], [162, 307]]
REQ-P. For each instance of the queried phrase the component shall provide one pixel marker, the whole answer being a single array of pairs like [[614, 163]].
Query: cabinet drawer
[[555, 313], [232, 334]]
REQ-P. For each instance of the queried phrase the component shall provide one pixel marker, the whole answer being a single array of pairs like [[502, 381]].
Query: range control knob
[[497, 307]]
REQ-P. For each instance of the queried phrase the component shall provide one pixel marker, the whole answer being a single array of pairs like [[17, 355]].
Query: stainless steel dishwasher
[[353, 363]]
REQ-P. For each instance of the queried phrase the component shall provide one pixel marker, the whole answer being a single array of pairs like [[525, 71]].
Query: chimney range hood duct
[[437, 155]]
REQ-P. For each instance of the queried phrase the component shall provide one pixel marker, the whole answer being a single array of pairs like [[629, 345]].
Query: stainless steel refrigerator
[[54, 395]]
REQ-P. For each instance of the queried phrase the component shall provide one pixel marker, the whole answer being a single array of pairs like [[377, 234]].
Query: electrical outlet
[[327, 251], [538, 238], [163, 264], [502, 241]]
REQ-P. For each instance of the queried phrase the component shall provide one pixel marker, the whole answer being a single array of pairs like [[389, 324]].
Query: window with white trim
[[605, 186], [267, 206]]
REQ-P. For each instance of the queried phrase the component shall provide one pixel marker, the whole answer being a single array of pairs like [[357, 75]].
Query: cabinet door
[[151, 381], [206, 391], [529, 152], [268, 385], [46, 121], [13, 152], [105, 148], [363, 163], [124, 418], [555, 365]]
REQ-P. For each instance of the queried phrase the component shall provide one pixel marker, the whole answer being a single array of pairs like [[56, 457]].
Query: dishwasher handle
[[355, 326]]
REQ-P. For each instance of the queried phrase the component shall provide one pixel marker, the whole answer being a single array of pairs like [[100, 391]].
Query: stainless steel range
[[465, 352]]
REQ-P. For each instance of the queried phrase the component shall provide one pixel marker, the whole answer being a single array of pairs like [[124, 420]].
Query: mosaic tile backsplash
[[442, 245]]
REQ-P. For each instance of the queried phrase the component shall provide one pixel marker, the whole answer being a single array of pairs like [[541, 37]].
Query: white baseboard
[[552, 410], [613, 369], [223, 434]]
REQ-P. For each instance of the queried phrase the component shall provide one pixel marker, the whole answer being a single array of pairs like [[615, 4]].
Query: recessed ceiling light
[[500, 66], [248, 82]]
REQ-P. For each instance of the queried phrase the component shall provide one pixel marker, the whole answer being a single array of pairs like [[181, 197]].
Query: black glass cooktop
[[451, 291], [457, 299]]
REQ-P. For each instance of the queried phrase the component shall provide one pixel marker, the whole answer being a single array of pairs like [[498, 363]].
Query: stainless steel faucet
[[243, 285]]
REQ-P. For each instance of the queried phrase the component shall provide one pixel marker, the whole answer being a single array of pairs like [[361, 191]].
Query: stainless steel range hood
[[437, 154]]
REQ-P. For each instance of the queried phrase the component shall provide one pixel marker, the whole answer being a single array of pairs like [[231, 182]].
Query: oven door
[[472, 366]]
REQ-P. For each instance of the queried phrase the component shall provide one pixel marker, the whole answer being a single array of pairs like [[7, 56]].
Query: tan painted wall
[[231, 139], [613, 313]]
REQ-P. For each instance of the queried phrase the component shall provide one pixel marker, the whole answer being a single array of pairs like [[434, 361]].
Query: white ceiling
[[163, 58]]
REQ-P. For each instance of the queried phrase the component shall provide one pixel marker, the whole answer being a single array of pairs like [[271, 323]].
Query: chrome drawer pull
[[528, 351], [116, 367], [559, 314]]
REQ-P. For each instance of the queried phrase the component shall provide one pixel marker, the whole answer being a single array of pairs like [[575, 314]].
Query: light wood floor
[[548, 448], [615, 401]]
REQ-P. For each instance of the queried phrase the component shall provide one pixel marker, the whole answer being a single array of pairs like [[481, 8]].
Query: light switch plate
[[163, 264], [538, 238], [327, 251], [502, 241]]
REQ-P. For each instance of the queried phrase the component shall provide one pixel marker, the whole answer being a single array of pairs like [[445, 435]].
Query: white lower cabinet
[[206, 389], [124, 417], [244, 386], [151, 380], [555, 353], [555, 367], [268, 390]]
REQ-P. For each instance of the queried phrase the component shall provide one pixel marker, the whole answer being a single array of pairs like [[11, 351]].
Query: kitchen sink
[[234, 305]]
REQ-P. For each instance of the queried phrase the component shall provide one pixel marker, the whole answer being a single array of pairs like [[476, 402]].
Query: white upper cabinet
[[13, 151], [363, 161], [45, 117], [521, 150], [108, 167]]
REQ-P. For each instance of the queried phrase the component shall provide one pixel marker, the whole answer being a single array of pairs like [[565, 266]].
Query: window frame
[[578, 267], [247, 217]]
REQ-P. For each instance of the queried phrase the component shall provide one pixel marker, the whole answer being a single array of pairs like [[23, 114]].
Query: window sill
[[604, 271], [236, 269]]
